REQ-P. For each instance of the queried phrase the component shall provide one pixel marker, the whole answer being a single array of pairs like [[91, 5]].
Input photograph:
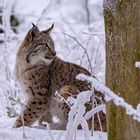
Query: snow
[[76, 115], [137, 64], [95, 110], [69, 17], [36, 134], [138, 107], [79, 39], [9, 133], [110, 95]]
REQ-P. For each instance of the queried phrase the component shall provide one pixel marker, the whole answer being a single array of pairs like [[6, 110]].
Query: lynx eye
[[47, 45]]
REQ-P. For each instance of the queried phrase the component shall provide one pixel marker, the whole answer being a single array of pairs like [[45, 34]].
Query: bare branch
[[44, 11], [87, 11], [86, 53]]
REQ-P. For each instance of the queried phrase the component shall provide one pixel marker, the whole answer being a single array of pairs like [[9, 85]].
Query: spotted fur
[[41, 73]]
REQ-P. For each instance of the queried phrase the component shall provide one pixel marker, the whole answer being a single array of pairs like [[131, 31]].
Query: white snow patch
[[137, 64], [9, 133]]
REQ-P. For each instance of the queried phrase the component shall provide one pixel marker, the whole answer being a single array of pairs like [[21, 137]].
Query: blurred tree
[[122, 21], [1, 31], [13, 20]]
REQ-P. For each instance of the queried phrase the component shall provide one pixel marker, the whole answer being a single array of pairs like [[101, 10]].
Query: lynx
[[41, 73]]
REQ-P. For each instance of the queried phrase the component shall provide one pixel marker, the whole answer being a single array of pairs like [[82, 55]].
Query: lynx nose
[[54, 53], [51, 55]]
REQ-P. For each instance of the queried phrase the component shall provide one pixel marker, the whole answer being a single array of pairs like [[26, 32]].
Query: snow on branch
[[110, 95], [76, 115], [95, 110]]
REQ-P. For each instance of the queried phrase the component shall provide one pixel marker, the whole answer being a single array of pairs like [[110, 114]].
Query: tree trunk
[[122, 51]]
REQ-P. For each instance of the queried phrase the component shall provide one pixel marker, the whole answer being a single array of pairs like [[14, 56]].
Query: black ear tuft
[[34, 32], [49, 29], [33, 24]]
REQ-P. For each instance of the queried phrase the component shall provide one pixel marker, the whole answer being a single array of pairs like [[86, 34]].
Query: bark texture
[[122, 51]]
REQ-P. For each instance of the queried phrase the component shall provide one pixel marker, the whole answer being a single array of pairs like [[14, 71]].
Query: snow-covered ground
[[75, 18], [9, 133]]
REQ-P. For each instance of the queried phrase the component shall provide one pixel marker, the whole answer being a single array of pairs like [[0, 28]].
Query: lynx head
[[40, 47]]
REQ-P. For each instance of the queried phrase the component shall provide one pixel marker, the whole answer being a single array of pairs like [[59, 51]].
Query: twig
[[94, 34], [44, 11], [92, 125], [87, 11], [87, 46], [98, 116], [23, 125], [99, 99], [62, 99], [82, 48], [22, 119], [16, 101]]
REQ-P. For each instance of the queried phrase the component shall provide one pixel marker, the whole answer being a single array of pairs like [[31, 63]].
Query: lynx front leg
[[67, 91], [62, 108], [34, 109]]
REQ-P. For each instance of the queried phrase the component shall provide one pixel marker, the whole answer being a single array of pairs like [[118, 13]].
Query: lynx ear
[[34, 32], [49, 30]]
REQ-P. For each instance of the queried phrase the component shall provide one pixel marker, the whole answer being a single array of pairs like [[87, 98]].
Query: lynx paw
[[18, 123]]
